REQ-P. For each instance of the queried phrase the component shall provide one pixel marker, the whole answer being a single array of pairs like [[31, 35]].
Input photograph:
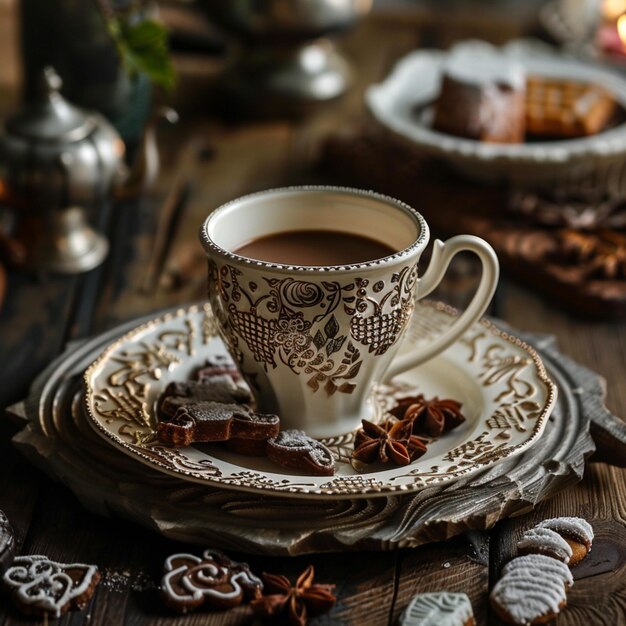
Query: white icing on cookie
[[531, 587], [437, 609], [545, 541], [189, 579], [574, 528], [46, 585], [540, 564]]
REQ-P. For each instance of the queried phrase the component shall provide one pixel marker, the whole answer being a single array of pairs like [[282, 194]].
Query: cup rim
[[420, 242]]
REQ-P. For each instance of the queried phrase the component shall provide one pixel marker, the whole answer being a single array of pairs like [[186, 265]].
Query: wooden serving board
[[56, 437], [370, 158]]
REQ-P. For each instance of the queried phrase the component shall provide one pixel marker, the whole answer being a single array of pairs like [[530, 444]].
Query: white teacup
[[312, 340]]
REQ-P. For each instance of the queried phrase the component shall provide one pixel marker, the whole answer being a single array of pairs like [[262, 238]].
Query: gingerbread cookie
[[295, 450], [190, 581], [214, 421], [544, 541], [216, 389], [7, 543], [250, 432], [40, 586], [531, 590], [439, 609], [576, 531]]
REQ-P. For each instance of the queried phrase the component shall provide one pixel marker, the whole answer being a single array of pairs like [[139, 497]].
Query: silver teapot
[[58, 164]]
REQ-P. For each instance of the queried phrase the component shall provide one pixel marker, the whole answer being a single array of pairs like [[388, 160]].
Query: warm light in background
[[621, 29], [612, 9]]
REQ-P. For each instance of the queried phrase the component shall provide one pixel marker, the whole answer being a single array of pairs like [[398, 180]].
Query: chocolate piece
[[7, 543], [40, 586], [257, 426], [294, 604], [439, 609], [295, 450], [215, 421], [531, 590], [248, 447], [217, 389], [190, 581]]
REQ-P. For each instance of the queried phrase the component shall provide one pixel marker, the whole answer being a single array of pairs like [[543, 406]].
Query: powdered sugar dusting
[[545, 541], [299, 440], [532, 586], [575, 528], [540, 565], [120, 581]]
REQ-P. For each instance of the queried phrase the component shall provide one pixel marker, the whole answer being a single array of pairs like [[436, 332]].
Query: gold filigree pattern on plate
[[122, 385]]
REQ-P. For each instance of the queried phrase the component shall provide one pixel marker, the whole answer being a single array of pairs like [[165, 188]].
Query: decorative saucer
[[500, 380], [402, 104]]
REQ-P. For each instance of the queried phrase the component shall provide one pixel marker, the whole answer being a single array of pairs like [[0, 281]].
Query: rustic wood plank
[[459, 565]]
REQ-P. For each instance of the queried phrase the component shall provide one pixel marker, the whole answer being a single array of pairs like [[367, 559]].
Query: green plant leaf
[[142, 47]]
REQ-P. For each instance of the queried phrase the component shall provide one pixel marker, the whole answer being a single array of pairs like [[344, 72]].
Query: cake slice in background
[[482, 97]]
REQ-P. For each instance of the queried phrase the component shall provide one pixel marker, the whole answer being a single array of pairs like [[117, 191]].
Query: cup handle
[[443, 253]]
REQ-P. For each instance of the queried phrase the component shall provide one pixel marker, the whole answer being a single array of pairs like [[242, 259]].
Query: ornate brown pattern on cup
[[275, 322]]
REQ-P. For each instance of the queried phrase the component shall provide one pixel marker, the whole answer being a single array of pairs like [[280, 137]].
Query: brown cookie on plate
[[214, 421], [217, 389], [295, 450], [250, 432]]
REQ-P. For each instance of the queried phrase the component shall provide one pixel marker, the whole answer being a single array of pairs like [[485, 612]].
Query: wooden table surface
[[43, 313]]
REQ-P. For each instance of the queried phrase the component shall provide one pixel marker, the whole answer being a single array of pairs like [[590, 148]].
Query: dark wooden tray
[[55, 437]]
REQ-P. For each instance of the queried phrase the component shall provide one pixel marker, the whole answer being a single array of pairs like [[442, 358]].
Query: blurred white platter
[[403, 104]]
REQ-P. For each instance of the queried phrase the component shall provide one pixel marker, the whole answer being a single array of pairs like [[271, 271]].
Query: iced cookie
[[40, 586], [190, 581], [295, 450], [576, 531], [439, 609], [544, 541], [532, 590]]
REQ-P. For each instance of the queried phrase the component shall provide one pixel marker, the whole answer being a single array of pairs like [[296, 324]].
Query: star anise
[[294, 604], [429, 416], [390, 441]]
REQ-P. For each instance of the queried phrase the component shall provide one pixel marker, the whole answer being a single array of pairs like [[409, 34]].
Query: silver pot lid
[[52, 118]]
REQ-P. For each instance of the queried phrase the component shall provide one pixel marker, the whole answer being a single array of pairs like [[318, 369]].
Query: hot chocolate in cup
[[313, 288]]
